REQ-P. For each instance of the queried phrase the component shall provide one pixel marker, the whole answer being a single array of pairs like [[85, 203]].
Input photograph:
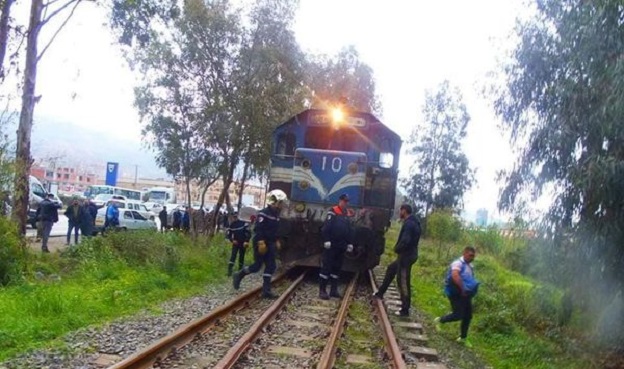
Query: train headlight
[[338, 116], [300, 207]]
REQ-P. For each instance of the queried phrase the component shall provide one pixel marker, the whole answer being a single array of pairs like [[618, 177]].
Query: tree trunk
[[23, 159], [4, 32], [242, 184]]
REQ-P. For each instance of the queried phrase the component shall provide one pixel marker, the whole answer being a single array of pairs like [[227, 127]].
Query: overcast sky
[[411, 46]]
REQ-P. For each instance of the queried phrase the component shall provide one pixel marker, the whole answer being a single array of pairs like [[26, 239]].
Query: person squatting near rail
[[265, 243], [406, 249], [460, 287], [239, 235], [337, 233]]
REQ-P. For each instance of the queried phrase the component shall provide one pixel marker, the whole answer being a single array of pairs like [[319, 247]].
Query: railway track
[[295, 331]]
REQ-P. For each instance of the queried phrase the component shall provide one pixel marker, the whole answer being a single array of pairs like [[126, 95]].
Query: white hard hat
[[276, 196]]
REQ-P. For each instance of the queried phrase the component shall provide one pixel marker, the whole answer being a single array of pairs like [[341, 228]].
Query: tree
[[441, 173], [563, 102], [269, 82], [40, 14], [173, 100], [343, 77]]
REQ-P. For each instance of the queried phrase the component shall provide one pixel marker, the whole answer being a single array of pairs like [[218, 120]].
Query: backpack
[[471, 285]]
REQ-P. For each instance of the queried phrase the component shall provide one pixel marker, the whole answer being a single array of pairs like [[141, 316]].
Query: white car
[[132, 205], [128, 220]]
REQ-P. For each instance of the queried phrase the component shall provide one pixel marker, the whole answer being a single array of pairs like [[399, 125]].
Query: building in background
[[67, 179], [74, 180], [482, 218]]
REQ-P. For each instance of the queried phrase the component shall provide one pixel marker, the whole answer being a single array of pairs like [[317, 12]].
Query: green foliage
[[445, 228], [344, 76], [441, 173], [13, 259], [516, 320], [102, 279], [563, 102]]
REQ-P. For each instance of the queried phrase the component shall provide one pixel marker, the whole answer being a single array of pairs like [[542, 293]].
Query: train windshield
[[328, 138]]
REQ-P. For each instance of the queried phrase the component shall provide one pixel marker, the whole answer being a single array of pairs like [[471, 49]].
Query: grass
[[515, 322], [105, 278]]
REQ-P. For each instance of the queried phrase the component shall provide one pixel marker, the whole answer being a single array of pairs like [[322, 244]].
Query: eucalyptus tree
[[441, 174], [269, 80], [343, 76], [563, 102], [41, 13]]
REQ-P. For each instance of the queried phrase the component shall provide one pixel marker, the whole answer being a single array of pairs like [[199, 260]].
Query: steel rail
[[392, 348], [235, 352], [328, 357], [158, 350]]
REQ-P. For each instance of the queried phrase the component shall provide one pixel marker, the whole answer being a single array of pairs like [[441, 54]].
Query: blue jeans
[[75, 228], [46, 229]]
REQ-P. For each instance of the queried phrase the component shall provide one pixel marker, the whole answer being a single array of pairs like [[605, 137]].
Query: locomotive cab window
[[386, 160], [285, 145], [386, 156]]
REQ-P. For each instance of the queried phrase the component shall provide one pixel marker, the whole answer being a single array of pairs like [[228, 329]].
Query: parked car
[[128, 220], [132, 205]]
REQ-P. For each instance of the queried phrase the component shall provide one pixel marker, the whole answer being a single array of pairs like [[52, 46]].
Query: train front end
[[316, 159]]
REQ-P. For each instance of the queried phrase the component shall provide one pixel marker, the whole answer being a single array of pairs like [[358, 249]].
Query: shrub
[[13, 257], [445, 228]]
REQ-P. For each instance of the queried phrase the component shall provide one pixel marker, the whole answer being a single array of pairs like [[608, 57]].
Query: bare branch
[[60, 9], [76, 3]]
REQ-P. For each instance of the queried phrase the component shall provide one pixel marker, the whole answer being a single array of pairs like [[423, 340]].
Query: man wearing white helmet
[[265, 243]]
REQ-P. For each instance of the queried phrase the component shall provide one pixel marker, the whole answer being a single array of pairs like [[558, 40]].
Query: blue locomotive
[[320, 154]]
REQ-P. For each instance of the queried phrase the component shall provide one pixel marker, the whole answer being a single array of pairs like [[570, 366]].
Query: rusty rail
[[185, 334], [392, 348], [245, 341], [328, 357]]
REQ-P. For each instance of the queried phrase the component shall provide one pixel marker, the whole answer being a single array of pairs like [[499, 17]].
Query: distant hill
[[91, 147]]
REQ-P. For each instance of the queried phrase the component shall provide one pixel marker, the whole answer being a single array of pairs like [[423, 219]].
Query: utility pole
[[136, 175]]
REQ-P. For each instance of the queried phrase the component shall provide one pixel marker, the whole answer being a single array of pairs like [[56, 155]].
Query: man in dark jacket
[[87, 220], [163, 219], [238, 234], [265, 243], [73, 217], [177, 219], [407, 253], [337, 234], [47, 214]]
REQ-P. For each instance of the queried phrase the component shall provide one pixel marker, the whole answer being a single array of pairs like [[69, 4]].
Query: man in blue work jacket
[[337, 234], [238, 234], [265, 243]]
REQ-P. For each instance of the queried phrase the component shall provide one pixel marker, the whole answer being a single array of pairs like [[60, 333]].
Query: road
[[59, 228]]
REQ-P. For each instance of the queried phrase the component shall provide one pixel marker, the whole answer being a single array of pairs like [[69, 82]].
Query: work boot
[[230, 267], [238, 277], [323, 289], [333, 292], [266, 289]]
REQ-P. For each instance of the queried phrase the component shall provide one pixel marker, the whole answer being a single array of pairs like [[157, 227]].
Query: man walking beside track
[[460, 288], [238, 234], [337, 234], [407, 253]]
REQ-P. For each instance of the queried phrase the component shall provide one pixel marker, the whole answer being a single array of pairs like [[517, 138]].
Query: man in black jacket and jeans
[[407, 253]]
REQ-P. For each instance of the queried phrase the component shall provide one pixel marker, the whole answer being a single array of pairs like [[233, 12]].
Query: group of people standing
[[338, 236], [80, 216]]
